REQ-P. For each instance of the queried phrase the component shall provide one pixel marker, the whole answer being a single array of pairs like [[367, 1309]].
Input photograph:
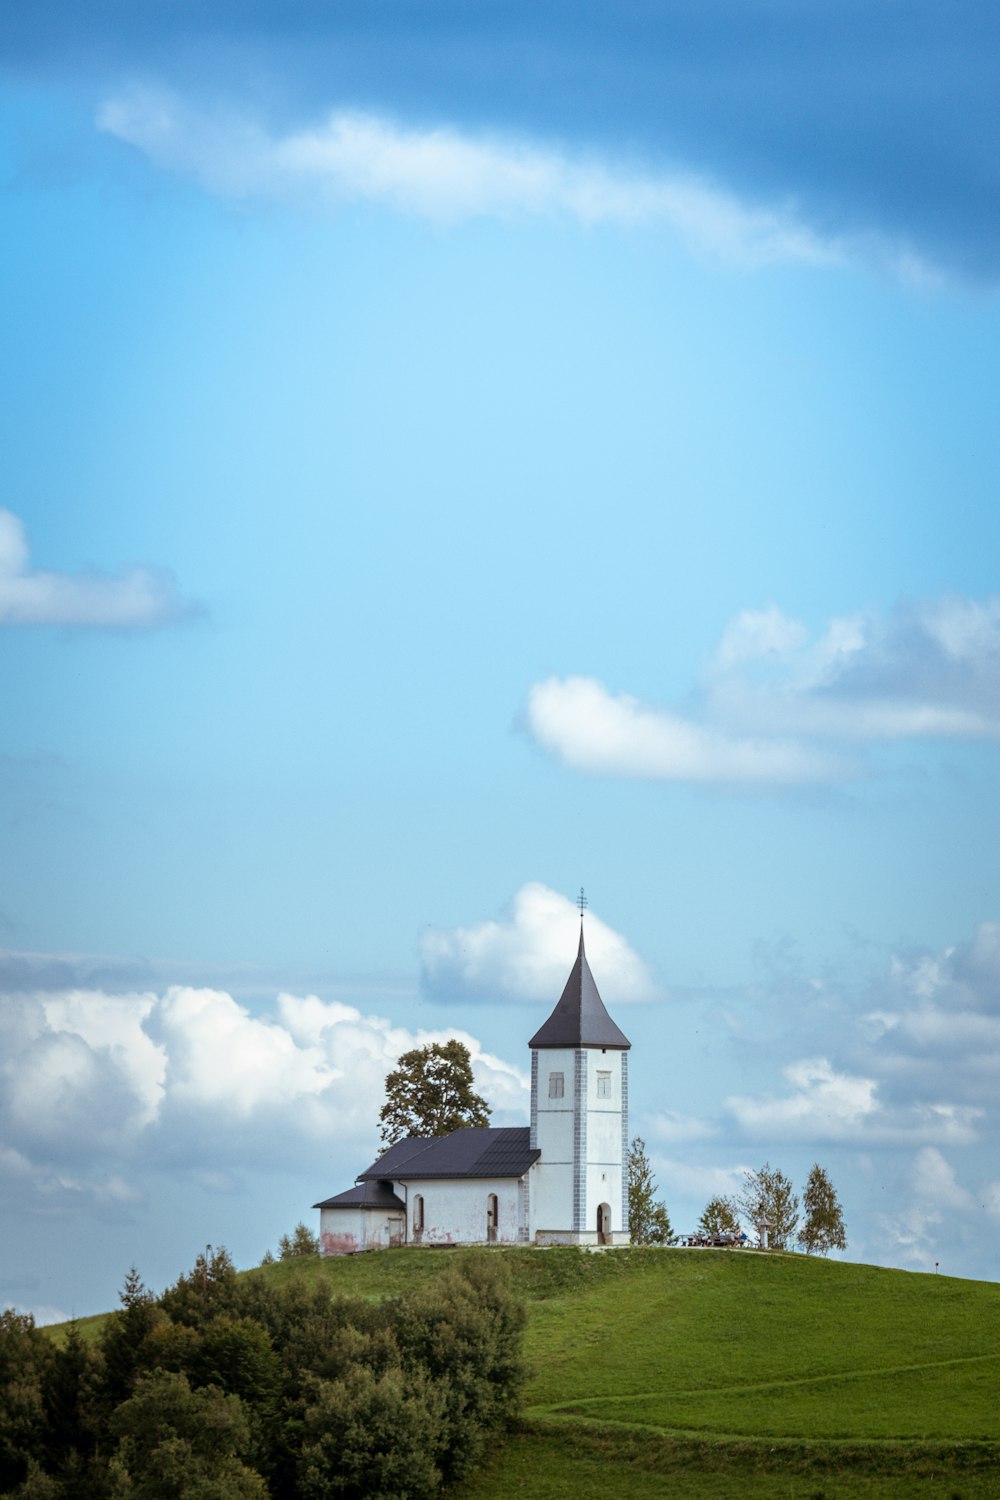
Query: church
[[561, 1181]]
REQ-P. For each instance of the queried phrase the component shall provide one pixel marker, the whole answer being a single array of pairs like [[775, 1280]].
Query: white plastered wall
[[604, 1176], [346, 1231], [455, 1210], [551, 1180]]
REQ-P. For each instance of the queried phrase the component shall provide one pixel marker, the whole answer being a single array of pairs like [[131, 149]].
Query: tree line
[[767, 1199], [237, 1388]]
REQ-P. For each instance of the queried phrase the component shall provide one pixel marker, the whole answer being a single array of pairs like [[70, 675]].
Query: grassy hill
[[709, 1373]]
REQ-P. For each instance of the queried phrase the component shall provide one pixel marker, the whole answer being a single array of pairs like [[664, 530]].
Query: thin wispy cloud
[[777, 705], [823, 1104], [135, 600], [446, 175]]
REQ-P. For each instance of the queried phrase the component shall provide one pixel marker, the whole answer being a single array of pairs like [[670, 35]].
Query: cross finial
[[581, 902]]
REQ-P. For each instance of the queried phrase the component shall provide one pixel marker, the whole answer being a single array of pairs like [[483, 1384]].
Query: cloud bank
[[528, 955], [777, 705], [132, 1123], [138, 599], [447, 175]]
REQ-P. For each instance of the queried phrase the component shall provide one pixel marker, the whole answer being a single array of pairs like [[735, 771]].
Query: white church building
[[561, 1181]]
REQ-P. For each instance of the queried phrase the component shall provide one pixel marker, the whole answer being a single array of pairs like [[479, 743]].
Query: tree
[[720, 1216], [123, 1336], [25, 1358], [429, 1092], [648, 1220], [767, 1197], [175, 1443], [824, 1226], [301, 1242]]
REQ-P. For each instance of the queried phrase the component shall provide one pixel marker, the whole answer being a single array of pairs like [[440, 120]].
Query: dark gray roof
[[364, 1195], [580, 1019], [494, 1151]]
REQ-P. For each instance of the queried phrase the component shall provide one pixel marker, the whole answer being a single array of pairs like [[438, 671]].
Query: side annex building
[[560, 1181]]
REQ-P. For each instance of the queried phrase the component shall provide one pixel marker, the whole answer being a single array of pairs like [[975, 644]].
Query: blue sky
[[453, 455]]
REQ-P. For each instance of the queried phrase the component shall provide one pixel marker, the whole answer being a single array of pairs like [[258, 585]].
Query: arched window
[[418, 1216], [492, 1217]]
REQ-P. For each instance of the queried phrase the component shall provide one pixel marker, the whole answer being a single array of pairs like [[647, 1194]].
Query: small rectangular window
[[555, 1086], [604, 1085]]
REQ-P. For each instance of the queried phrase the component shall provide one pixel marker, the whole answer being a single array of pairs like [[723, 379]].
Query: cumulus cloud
[[777, 705], [528, 955], [138, 1078], [137, 599], [446, 175]]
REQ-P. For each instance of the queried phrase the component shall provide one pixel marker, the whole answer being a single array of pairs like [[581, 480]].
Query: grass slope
[[701, 1373]]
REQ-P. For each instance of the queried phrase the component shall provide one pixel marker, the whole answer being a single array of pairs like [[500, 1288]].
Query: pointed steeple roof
[[580, 1019]]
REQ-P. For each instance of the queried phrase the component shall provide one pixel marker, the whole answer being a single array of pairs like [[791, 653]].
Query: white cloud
[[589, 729], [779, 706], [138, 598], [445, 175], [87, 1075], [674, 1126], [939, 1217], [529, 955], [823, 1104], [934, 1179], [115, 1023], [698, 1181]]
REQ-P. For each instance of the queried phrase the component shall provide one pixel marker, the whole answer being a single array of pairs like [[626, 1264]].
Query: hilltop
[[706, 1372]]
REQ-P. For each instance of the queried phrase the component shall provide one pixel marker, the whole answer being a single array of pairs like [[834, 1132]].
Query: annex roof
[[492, 1151], [364, 1195], [580, 1019]]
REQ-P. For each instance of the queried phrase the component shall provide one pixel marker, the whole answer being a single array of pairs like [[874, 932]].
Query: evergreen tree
[[648, 1220], [124, 1335], [429, 1092], [720, 1216], [824, 1226], [767, 1197], [301, 1242]]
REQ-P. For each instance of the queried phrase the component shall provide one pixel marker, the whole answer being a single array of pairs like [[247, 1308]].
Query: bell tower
[[579, 1118]]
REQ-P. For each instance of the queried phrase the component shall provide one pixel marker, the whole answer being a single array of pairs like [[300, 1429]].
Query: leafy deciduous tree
[[648, 1220], [25, 1355], [720, 1216], [767, 1197], [429, 1092], [183, 1443], [823, 1229]]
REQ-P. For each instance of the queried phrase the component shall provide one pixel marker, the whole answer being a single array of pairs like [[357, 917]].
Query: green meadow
[[712, 1373]]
